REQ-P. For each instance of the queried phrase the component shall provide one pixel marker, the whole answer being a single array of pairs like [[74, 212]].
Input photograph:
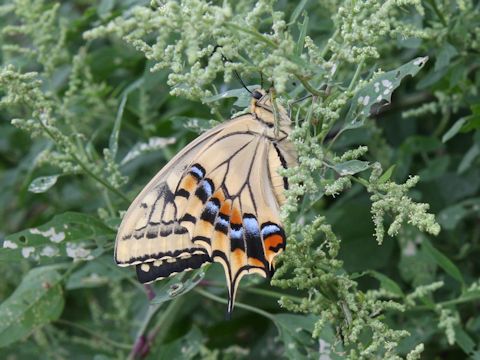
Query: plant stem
[[254, 290], [327, 46], [272, 294], [166, 320], [140, 342], [94, 334], [253, 33], [308, 86], [85, 167], [460, 300], [100, 180], [238, 304], [356, 75], [438, 13]]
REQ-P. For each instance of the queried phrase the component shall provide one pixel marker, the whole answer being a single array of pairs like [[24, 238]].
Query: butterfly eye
[[257, 95]]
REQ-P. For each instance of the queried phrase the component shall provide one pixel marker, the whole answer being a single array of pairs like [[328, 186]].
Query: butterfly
[[218, 200]]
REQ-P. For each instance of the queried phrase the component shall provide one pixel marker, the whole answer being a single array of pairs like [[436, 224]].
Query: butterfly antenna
[[261, 79], [241, 81], [225, 59]]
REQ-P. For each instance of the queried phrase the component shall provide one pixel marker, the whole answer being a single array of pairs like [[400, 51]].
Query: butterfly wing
[[218, 200], [236, 210]]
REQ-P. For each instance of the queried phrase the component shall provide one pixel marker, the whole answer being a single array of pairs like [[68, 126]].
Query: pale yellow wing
[[217, 200]]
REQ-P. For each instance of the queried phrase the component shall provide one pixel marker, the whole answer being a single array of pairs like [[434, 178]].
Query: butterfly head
[[270, 113]]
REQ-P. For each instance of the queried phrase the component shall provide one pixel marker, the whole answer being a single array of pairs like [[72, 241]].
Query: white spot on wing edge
[[145, 267]]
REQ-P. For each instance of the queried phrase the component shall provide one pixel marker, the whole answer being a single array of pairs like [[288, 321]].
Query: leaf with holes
[[37, 301], [378, 91], [69, 234], [43, 183]]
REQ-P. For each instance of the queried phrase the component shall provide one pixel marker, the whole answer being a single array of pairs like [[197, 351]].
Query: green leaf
[[301, 36], [298, 10], [42, 183], [105, 8], [450, 217], [37, 301], [465, 342], [435, 168], [447, 52], [153, 144], [431, 78], [67, 234], [96, 273], [468, 158], [387, 283], [472, 122], [187, 347], [386, 175], [351, 167], [454, 130], [113, 142], [295, 333], [379, 90], [444, 262]]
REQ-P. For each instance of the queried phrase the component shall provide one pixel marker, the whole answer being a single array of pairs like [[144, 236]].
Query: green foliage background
[[96, 96]]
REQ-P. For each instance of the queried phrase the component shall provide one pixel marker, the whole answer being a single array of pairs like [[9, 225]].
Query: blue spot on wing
[[204, 190], [236, 234], [212, 207], [251, 225], [222, 221], [211, 210], [207, 187], [270, 229], [198, 171]]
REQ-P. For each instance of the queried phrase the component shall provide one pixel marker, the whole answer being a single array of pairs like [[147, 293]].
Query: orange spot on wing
[[273, 241], [255, 262], [189, 183], [238, 257], [236, 217], [219, 195], [226, 209]]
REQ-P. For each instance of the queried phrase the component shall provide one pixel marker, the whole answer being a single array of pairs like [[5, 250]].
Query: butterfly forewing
[[217, 200]]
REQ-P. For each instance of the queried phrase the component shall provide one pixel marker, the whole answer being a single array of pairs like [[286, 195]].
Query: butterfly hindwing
[[231, 205]]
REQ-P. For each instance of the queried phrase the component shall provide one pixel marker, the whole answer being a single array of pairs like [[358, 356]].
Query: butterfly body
[[218, 200]]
